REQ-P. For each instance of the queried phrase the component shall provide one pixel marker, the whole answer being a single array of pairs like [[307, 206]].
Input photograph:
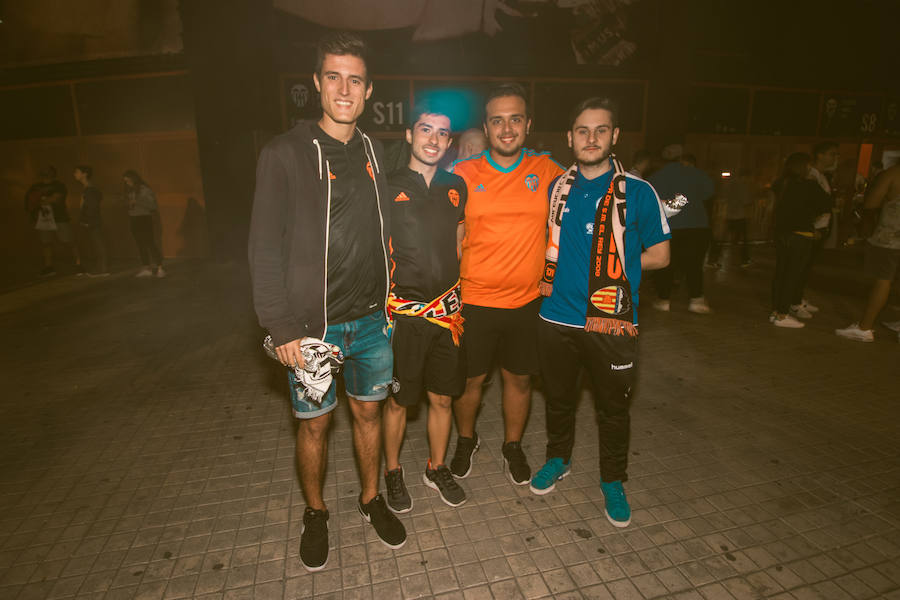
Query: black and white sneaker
[[398, 499], [441, 479], [466, 447], [314, 539], [515, 465], [390, 530]]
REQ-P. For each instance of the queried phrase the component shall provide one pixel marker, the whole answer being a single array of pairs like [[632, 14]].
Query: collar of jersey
[[511, 168], [600, 181]]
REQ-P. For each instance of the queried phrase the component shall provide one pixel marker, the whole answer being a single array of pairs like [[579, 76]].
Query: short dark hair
[[86, 170], [428, 107], [689, 159], [134, 176], [822, 148], [341, 43], [795, 166], [509, 88], [593, 103]]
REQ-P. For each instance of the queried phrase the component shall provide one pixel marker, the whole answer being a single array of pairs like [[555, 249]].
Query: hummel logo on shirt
[[480, 188], [401, 197]]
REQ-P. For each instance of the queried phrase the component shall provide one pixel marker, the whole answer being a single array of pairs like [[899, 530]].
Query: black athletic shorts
[[508, 335], [425, 359]]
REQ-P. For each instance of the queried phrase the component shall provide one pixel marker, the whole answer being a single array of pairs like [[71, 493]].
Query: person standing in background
[[91, 223], [141, 208], [882, 204], [45, 203], [690, 227], [824, 160]]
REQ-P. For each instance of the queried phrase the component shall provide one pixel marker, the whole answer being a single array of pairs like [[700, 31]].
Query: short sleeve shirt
[[645, 226], [506, 228], [424, 262]]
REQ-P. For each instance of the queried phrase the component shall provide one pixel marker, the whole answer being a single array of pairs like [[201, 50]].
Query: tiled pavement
[[147, 452]]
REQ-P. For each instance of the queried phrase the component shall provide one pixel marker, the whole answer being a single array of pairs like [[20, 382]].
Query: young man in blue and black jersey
[[606, 226]]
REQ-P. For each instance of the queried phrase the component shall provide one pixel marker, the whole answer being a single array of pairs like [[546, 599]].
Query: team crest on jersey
[[331, 175], [532, 182], [369, 170], [611, 299], [453, 195]]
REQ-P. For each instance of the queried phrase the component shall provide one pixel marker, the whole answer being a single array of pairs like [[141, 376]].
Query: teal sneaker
[[544, 481], [617, 510]]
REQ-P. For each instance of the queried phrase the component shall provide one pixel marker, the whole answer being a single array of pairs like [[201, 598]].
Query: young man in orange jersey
[[501, 266]]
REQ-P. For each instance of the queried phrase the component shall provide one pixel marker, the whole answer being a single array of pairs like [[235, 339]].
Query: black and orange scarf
[[609, 309]]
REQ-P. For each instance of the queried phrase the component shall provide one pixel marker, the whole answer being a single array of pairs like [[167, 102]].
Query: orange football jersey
[[506, 228]]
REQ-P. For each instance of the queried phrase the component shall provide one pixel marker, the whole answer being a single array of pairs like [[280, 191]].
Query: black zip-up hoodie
[[289, 232]]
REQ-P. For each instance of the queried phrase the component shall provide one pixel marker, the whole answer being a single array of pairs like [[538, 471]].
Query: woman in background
[[141, 207]]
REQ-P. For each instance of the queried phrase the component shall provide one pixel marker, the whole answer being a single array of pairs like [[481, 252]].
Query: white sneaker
[[160, 273], [892, 325], [853, 332], [799, 311], [809, 307], [699, 306], [663, 305], [145, 272], [788, 321]]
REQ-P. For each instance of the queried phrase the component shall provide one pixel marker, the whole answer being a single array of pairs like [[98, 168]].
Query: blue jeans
[[368, 365]]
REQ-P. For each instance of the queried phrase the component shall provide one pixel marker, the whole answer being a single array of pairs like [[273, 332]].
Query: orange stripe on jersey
[[393, 264], [506, 228]]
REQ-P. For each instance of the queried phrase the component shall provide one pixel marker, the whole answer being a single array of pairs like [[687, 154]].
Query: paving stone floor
[[147, 452]]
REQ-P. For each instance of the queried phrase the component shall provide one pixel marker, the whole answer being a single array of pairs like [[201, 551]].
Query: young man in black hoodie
[[318, 259]]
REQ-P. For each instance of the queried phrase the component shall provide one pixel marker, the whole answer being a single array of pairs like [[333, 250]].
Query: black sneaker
[[441, 479], [314, 539], [515, 465], [398, 499], [388, 527], [466, 447]]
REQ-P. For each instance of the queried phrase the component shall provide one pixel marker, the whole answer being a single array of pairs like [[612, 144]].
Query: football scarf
[[609, 308], [321, 362], [443, 310]]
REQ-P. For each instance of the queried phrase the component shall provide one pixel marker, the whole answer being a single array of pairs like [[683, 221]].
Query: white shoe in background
[[800, 312], [892, 325], [699, 306], [853, 332], [788, 321], [663, 305]]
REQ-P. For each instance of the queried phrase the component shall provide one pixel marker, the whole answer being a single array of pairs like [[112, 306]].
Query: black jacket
[[289, 232], [91, 198], [798, 204]]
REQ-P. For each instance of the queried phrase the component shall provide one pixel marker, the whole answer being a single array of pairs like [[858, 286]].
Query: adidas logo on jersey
[[401, 197], [480, 188]]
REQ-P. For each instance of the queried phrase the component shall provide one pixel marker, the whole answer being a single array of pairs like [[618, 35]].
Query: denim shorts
[[368, 365]]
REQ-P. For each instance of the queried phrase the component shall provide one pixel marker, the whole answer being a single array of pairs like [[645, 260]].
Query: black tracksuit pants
[[609, 361]]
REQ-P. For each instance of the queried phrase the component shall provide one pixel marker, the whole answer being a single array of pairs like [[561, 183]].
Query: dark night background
[[189, 90]]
